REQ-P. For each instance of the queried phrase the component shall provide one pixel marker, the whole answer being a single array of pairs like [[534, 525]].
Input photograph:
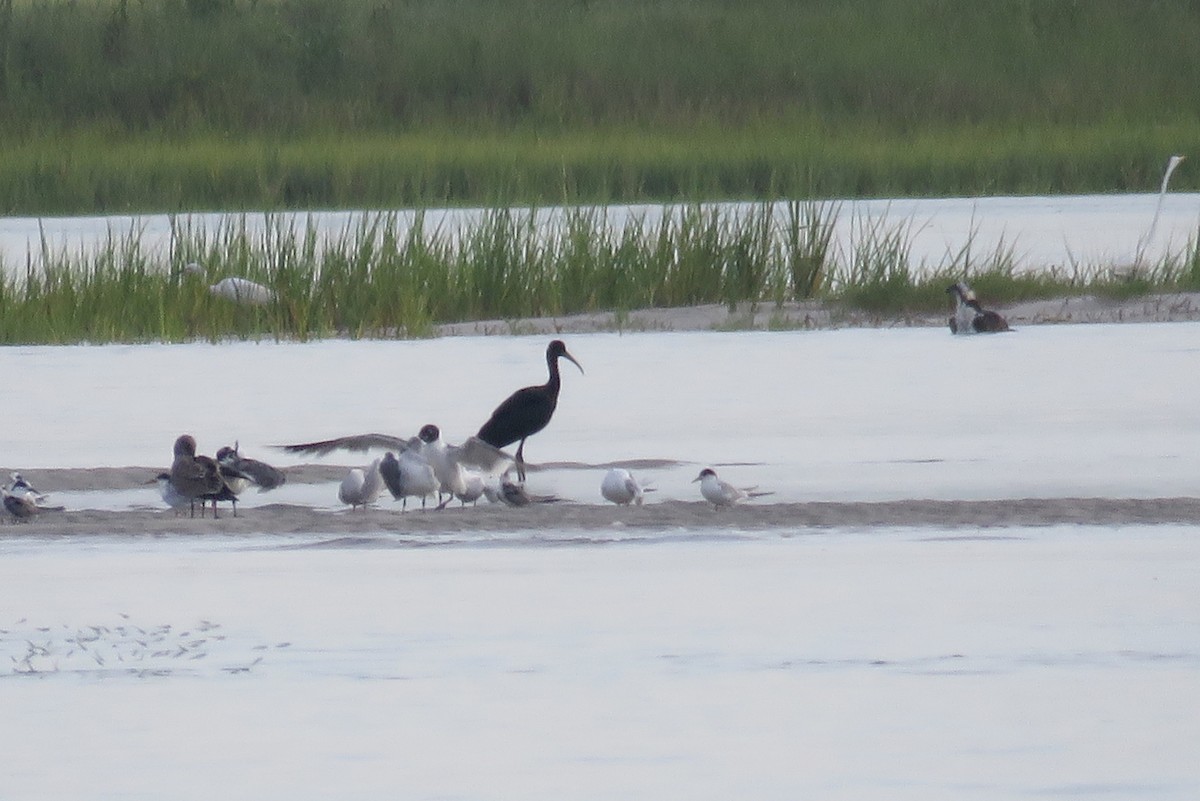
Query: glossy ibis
[[528, 410]]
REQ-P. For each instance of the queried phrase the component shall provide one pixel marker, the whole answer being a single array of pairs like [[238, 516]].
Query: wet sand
[[567, 516]]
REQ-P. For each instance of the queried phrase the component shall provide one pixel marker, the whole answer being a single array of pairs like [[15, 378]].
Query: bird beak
[[694, 480], [571, 359]]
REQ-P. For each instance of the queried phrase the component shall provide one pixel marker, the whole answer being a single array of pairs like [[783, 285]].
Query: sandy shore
[[282, 519], [570, 516], [1165, 308]]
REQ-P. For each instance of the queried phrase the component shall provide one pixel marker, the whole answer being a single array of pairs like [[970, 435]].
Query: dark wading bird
[[971, 318], [528, 410]]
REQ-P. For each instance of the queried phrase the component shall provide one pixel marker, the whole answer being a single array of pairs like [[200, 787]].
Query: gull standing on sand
[[449, 464], [409, 476], [361, 487], [473, 488], [620, 487], [721, 493]]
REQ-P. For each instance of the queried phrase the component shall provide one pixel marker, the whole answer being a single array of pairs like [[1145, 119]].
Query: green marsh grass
[[384, 277], [170, 105]]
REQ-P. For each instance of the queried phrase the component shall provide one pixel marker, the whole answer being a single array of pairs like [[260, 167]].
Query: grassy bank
[[110, 105], [87, 173], [382, 278]]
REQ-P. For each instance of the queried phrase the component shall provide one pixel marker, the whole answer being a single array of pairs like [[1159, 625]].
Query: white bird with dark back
[[971, 318], [22, 501], [721, 493], [409, 476]]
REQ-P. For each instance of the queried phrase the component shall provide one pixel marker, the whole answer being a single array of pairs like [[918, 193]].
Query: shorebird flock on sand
[[429, 469], [426, 467]]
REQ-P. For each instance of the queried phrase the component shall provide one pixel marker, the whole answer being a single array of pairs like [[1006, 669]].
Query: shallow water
[[888, 664], [1064, 231], [1048, 411], [683, 662]]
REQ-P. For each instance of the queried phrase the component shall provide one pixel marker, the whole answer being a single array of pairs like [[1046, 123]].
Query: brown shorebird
[[195, 477]]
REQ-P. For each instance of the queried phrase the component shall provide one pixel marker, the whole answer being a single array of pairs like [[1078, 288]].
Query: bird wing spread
[[262, 474], [474, 452], [356, 442]]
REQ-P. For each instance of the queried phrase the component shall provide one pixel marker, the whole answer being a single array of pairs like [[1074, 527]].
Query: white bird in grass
[[235, 288], [1172, 163], [361, 487], [721, 493], [620, 487], [243, 291]]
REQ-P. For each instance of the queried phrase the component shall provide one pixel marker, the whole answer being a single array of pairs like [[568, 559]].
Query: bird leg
[[521, 461]]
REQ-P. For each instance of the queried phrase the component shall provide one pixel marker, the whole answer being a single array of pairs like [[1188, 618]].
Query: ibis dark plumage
[[528, 410]]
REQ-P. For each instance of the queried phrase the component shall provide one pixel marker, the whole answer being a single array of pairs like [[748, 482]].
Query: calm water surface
[[837, 664], [841, 665], [1084, 231], [1048, 411]]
